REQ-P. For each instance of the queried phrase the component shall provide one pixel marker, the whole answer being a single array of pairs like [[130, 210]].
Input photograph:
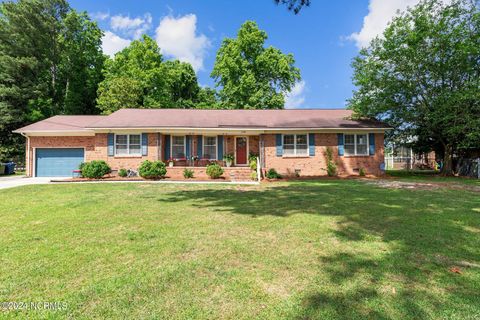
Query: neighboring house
[[291, 141], [402, 157]]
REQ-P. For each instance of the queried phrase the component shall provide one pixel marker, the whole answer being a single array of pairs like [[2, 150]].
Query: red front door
[[241, 150]]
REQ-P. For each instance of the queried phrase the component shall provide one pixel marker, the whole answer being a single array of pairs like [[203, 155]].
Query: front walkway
[[18, 181]]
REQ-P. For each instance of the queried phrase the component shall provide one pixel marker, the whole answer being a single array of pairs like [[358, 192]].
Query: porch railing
[[259, 171]]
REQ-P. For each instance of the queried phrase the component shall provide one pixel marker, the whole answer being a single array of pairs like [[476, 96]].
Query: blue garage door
[[57, 162]]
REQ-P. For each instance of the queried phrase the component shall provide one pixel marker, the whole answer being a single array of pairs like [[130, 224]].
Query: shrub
[[152, 169], [214, 171], [253, 176], [331, 165], [361, 172], [123, 173], [252, 161], [253, 165], [273, 174], [188, 173], [95, 169]]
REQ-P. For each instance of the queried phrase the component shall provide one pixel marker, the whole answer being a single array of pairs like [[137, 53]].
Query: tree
[[207, 99], [423, 77], [294, 5], [81, 63], [120, 91], [182, 84], [250, 75], [50, 59], [158, 83]]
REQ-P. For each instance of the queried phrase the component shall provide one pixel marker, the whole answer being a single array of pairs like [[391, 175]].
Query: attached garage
[[57, 162]]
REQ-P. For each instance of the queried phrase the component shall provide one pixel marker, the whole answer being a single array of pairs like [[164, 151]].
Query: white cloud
[[134, 27], [100, 15], [380, 13], [177, 38], [111, 43], [295, 98]]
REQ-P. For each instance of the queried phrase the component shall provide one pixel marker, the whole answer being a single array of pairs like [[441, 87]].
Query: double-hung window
[[295, 145], [128, 144], [210, 147], [178, 147], [356, 144]]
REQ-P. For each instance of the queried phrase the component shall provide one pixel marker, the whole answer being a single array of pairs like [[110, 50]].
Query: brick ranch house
[[291, 141]]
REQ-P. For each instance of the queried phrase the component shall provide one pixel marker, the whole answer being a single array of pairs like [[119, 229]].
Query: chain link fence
[[468, 167]]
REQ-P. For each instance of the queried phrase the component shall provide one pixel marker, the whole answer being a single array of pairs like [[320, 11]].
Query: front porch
[[198, 151]]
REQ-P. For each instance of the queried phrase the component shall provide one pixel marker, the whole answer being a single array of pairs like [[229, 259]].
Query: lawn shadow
[[425, 233]]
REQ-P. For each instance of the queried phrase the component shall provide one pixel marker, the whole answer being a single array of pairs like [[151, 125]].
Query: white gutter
[[92, 131], [239, 129]]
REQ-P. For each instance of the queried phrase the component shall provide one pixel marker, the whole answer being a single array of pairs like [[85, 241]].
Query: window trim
[[356, 154], [184, 146], [128, 154], [295, 155], [204, 145]]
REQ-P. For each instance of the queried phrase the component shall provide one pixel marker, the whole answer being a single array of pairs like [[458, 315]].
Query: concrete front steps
[[240, 174]]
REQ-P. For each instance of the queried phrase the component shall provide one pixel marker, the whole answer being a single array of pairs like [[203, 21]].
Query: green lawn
[[329, 249], [431, 176]]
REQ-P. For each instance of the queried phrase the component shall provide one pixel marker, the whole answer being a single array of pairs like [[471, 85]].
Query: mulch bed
[[119, 179], [308, 178]]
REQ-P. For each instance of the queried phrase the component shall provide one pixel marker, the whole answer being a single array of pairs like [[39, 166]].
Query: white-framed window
[[178, 147], [356, 144], [295, 144], [210, 147], [128, 144]]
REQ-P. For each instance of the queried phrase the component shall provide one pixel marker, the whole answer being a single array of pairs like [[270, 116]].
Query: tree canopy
[[250, 75], [138, 77], [50, 63], [422, 76]]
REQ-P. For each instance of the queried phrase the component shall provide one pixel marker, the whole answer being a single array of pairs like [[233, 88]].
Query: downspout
[[27, 166]]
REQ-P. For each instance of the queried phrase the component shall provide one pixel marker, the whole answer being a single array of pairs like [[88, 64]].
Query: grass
[[430, 176], [330, 249]]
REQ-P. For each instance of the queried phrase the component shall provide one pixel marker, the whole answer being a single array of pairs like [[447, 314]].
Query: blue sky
[[323, 38]]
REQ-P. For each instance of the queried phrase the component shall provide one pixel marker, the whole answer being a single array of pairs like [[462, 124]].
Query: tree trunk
[[447, 169]]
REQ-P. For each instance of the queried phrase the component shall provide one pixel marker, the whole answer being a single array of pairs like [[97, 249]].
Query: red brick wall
[[59, 142], [96, 149], [316, 165]]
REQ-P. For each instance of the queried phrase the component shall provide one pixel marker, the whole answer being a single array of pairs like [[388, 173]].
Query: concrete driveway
[[18, 181]]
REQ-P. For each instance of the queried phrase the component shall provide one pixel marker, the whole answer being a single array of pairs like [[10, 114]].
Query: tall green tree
[[42, 44], [27, 64], [423, 77], [158, 83], [250, 75], [208, 99], [81, 64], [182, 84]]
